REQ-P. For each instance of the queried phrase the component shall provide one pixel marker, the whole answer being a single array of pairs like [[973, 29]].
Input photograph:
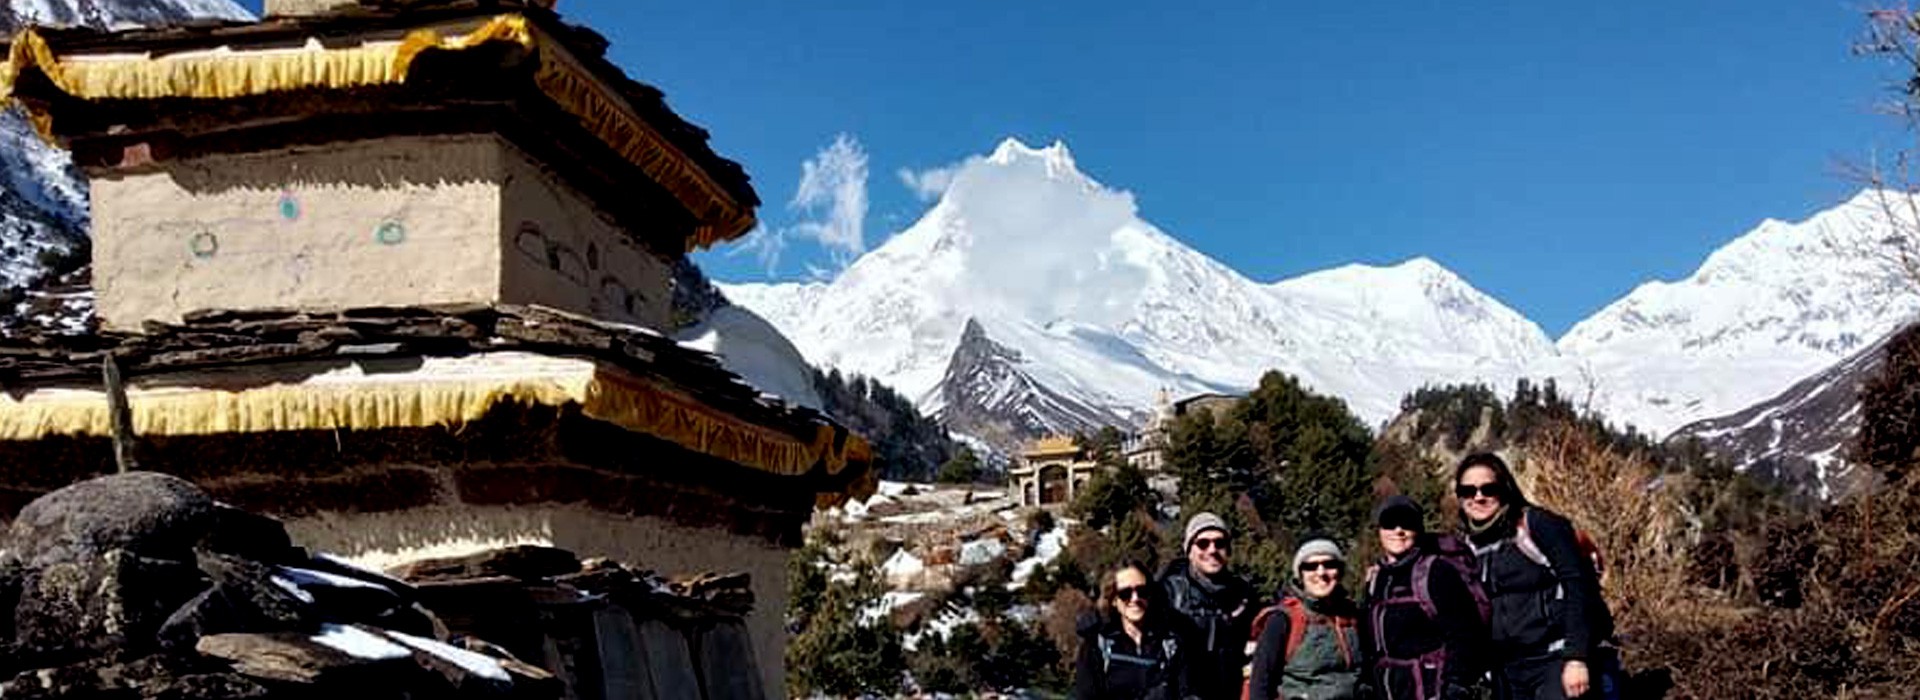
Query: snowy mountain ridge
[[1091, 310], [43, 198], [1103, 309], [1766, 310]]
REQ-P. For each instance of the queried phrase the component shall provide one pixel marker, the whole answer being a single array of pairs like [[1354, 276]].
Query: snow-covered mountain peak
[[1057, 160], [115, 14], [1091, 310], [1780, 302]]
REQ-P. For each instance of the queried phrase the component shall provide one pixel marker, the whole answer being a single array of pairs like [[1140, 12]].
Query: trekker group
[[1508, 607]]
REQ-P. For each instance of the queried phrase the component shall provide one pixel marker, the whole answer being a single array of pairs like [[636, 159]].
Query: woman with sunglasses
[[1425, 616], [1309, 646], [1129, 651], [1551, 631]]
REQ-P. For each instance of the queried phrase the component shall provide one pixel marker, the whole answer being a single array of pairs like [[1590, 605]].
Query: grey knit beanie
[[1202, 522], [1318, 547]]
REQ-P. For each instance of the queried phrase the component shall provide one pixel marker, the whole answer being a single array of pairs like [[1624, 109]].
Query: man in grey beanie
[[1214, 605]]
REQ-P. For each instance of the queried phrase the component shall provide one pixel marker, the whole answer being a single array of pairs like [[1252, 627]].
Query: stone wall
[[561, 251], [383, 539], [397, 221], [388, 222]]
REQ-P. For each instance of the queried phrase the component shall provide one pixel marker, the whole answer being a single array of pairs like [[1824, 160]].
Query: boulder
[[112, 605], [250, 535], [146, 514], [148, 678], [244, 597], [297, 658]]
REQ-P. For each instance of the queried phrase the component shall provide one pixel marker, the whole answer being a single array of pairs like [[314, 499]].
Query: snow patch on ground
[[982, 551], [477, 664], [749, 346], [359, 643], [902, 566], [1045, 549]]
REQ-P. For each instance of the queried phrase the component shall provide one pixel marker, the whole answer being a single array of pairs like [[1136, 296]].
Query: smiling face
[[1320, 575], [1130, 594], [1398, 527], [1473, 490], [1395, 540], [1208, 553]]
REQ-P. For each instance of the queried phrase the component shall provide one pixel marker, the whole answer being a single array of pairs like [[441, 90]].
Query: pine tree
[[963, 468], [836, 651]]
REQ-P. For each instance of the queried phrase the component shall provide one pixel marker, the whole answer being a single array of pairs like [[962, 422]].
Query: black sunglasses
[[1206, 543], [1330, 565], [1130, 593], [1493, 490]]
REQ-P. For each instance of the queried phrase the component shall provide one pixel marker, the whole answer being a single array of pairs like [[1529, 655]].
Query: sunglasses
[[1400, 524], [1494, 491], [1130, 593], [1206, 543], [1312, 566]]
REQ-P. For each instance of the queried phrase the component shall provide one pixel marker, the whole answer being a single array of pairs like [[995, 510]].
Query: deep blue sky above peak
[[1555, 155]]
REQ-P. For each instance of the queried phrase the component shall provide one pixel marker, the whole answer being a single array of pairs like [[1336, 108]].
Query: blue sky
[[1554, 154]]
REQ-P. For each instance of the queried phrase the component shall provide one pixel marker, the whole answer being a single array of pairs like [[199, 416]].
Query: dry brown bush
[[1629, 508], [1835, 606], [1063, 620]]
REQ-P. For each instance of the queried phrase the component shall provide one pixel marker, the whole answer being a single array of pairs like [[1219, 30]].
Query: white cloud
[[929, 184], [765, 244], [831, 202], [833, 187], [1059, 245]]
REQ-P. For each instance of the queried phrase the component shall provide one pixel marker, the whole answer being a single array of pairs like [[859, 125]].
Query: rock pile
[[141, 586]]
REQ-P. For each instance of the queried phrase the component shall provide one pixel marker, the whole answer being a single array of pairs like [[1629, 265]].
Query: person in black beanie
[[1426, 618], [1550, 630]]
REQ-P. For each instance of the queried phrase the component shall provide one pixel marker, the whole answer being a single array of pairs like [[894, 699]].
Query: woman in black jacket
[[1551, 631], [1425, 626], [1128, 651]]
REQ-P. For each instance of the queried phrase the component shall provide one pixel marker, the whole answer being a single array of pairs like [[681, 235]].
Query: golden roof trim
[[458, 393], [225, 74]]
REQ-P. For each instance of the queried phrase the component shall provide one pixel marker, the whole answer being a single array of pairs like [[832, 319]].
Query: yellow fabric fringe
[[632, 403], [226, 75]]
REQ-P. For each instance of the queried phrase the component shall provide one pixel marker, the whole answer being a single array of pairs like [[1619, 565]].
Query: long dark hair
[[1514, 500], [1109, 585]]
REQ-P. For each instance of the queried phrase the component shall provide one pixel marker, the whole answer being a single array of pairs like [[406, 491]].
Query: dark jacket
[[1215, 617], [1406, 644], [1328, 665], [1539, 610], [1112, 667]]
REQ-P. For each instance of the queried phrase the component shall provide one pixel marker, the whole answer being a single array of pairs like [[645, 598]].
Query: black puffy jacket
[[1418, 656], [1112, 667], [1216, 618], [1541, 610]]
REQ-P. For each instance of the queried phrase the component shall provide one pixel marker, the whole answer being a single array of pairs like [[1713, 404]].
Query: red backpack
[[1581, 538], [1297, 623]]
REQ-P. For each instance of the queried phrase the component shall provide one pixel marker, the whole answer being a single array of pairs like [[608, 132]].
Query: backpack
[[1523, 541], [1297, 622], [1445, 550]]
